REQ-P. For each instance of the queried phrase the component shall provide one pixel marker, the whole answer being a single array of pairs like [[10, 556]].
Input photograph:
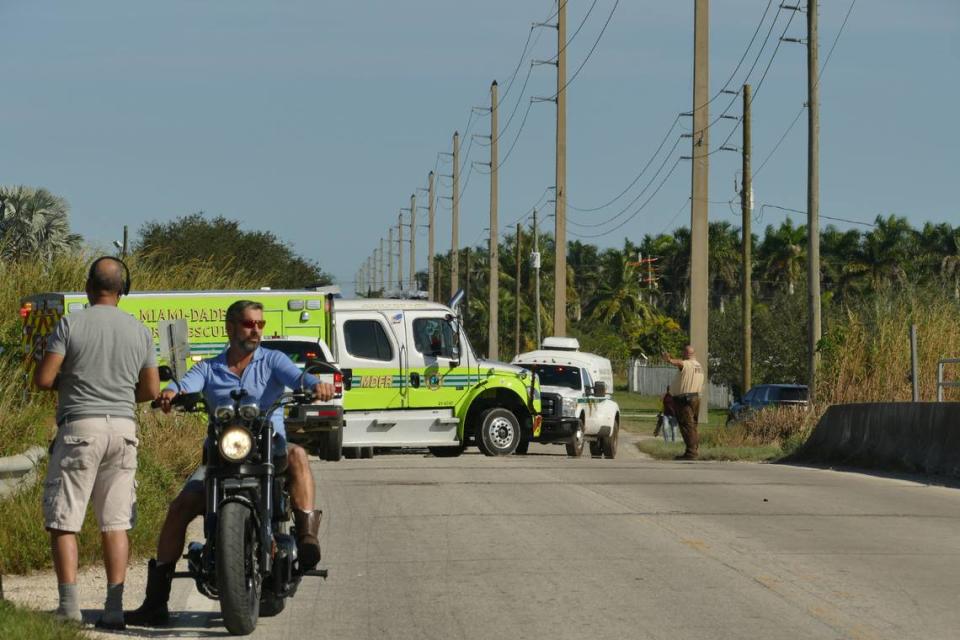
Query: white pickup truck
[[576, 390], [318, 428]]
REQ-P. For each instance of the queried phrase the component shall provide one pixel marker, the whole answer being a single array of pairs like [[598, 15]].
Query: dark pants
[[687, 415]]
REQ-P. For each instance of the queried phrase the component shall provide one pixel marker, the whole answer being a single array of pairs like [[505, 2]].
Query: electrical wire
[[637, 197], [637, 211], [556, 56], [717, 119], [589, 53], [823, 68], [636, 179]]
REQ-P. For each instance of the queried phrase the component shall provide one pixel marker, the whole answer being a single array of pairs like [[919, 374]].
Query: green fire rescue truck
[[410, 377]]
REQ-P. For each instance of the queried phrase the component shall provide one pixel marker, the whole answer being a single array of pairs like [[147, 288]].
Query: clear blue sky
[[317, 120]]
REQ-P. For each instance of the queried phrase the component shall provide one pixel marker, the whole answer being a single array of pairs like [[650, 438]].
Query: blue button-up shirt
[[264, 379]]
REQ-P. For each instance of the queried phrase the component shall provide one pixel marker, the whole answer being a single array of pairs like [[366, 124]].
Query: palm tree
[[782, 253], [724, 261], [887, 249], [34, 223], [843, 269]]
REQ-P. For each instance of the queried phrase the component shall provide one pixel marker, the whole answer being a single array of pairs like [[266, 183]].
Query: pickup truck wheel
[[447, 452], [499, 432], [575, 446], [596, 449], [332, 449], [610, 442]]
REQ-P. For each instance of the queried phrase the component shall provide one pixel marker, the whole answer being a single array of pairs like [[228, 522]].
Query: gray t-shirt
[[104, 350]]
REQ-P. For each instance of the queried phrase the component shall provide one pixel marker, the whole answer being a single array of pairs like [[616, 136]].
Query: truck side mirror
[[599, 389]]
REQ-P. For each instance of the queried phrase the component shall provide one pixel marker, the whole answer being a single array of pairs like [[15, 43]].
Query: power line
[[636, 179], [589, 53], [789, 210], [637, 211], [718, 94], [819, 76], [570, 39], [637, 197]]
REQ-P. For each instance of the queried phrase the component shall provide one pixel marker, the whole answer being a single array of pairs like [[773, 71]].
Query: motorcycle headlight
[[224, 413], [569, 407], [235, 444], [249, 411]]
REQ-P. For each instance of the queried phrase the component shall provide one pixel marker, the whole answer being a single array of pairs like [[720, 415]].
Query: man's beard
[[248, 346]]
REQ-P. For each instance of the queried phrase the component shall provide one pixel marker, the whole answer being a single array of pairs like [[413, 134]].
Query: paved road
[[547, 547]]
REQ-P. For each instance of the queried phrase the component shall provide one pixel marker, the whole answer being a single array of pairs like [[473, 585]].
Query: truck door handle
[[415, 380]]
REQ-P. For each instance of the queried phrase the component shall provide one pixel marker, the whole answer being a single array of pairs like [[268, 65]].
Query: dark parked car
[[765, 395]]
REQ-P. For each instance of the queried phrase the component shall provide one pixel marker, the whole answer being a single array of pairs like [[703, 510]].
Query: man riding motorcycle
[[262, 374]]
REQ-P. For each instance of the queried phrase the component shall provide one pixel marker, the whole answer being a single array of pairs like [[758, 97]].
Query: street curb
[[14, 470]]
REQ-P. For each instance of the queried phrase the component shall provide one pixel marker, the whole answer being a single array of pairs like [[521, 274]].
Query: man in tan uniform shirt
[[685, 389]]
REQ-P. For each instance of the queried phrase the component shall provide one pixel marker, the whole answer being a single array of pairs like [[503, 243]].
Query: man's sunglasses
[[250, 324]]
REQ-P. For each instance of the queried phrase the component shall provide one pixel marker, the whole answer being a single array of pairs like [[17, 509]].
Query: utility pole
[[430, 214], [699, 229], [390, 260], [535, 258], [516, 348], [382, 284], [413, 241], [466, 291], [123, 252], [455, 237], [400, 249], [746, 204], [813, 195], [560, 232], [439, 279], [493, 332]]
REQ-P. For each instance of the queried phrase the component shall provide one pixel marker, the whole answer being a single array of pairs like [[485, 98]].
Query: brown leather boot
[[153, 612], [308, 544]]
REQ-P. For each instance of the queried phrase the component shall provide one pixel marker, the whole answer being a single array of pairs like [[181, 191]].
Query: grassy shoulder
[[170, 448], [24, 623], [767, 436]]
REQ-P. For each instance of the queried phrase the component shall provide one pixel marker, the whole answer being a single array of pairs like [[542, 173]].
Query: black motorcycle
[[249, 560]]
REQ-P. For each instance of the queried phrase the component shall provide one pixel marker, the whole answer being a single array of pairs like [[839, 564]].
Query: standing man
[[101, 362], [685, 389]]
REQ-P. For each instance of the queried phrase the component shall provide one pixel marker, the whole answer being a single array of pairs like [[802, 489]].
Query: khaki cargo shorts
[[92, 457]]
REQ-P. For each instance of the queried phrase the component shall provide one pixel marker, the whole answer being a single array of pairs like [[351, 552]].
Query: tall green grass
[[170, 446]]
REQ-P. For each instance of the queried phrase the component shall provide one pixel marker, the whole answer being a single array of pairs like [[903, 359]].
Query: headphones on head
[[126, 272]]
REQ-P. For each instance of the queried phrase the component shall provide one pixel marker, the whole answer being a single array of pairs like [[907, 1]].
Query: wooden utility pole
[[813, 195], [390, 260], [383, 271], [430, 247], [535, 258], [400, 250], [455, 233], [699, 230], [746, 204], [466, 290], [516, 348], [560, 231], [413, 241], [123, 252], [493, 332]]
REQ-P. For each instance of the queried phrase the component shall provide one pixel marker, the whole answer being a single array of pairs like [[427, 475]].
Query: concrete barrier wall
[[922, 437]]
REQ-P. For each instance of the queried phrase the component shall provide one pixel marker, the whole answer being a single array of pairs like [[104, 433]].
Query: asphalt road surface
[[542, 546]]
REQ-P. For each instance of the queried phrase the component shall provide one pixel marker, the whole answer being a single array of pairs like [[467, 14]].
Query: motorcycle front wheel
[[238, 569]]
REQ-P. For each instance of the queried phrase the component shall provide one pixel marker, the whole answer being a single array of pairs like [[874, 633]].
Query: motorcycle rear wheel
[[238, 569]]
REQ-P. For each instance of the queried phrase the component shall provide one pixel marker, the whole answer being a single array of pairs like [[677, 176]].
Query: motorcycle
[[249, 560]]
